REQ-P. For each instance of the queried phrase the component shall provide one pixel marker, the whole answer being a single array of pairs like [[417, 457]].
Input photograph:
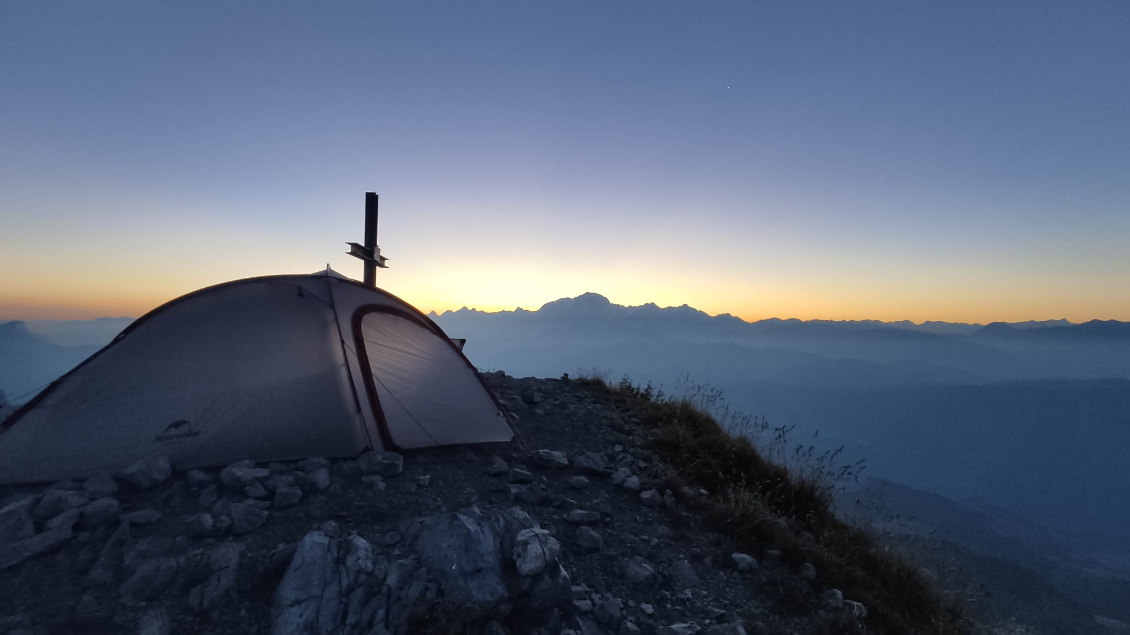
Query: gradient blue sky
[[964, 161]]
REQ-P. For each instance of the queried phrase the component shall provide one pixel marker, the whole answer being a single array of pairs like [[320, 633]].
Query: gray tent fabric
[[272, 368]]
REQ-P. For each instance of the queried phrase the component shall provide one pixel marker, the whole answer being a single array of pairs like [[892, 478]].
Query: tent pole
[[370, 238]]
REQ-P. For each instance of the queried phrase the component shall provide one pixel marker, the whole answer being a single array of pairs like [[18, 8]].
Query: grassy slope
[[761, 505]]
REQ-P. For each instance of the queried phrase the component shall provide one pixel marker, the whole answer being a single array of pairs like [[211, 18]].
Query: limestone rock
[[856, 609], [150, 579], [808, 572], [313, 464], [242, 474], [223, 565], [588, 539], [651, 498], [208, 496], [100, 485], [632, 484], [577, 482], [683, 575], [198, 479], [607, 612], [246, 518], [638, 571], [20, 550], [57, 501], [110, 557], [744, 562], [533, 550], [287, 496], [590, 463], [462, 551], [256, 490], [318, 479], [681, 628], [148, 472], [582, 517], [497, 466], [66, 519], [201, 525], [142, 517], [104, 511], [387, 464], [832, 598], [551, 459]]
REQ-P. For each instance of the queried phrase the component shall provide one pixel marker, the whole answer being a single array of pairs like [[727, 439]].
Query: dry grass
[[760, 504]]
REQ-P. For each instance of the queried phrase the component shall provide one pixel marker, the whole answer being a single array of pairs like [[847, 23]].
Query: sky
[[959, 161]]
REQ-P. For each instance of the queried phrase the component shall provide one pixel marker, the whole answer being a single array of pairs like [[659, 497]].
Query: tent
[[271, 368]]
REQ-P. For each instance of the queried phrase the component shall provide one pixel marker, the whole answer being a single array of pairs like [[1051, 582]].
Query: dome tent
[[271, 368]]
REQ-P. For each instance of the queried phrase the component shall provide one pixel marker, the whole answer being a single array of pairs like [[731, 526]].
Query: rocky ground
[[578, 534]]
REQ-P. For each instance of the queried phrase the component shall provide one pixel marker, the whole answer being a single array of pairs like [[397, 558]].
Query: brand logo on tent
[[176, 432]]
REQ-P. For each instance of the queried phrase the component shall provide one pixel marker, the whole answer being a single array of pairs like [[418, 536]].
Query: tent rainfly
[[273, 368]]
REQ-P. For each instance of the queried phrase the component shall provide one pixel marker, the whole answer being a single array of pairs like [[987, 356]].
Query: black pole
[[370, 237]]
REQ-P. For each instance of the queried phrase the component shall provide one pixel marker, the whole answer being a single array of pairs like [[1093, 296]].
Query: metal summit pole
[[369, 253]]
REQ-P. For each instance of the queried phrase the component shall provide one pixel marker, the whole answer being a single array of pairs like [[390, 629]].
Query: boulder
[[243, 474], [533, 550], [744, 562], [607, 612], [551, 459], [832, 598], [276, 481], [680, 628], [66, 519], [588, 539], [104, 511], [808, 572], [256, 490], [198, 479], [582, 517], [518, 475], [100, 485], [246, 518], [142, 517], [855, 609], [201, 525], [313, 464], [462, 552], [287, 496], [497, 466], [620, 475], [57, 501], [683, 575], [148, 472], [577, 482], [638, 571], [223, 565], [590, 463], [110, 557], [632, 483], [20, 550], [651, 498], [318, 479], [386, 464]]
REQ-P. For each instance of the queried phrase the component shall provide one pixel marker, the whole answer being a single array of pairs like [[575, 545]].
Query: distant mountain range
[[819, 350]]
